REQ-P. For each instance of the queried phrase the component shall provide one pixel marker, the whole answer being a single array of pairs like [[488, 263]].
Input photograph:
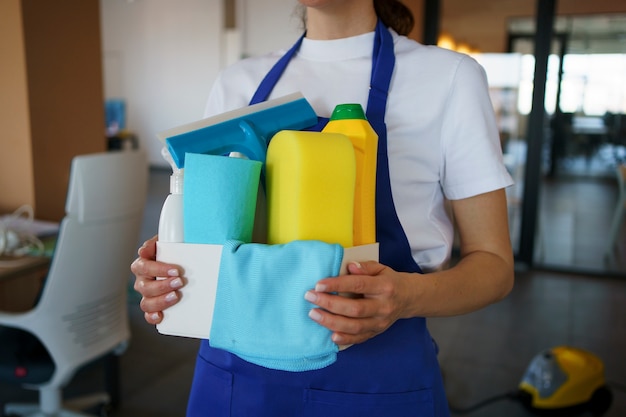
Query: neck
[[340, 20]]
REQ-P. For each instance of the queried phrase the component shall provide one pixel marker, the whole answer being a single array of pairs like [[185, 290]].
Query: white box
[[193, 314]]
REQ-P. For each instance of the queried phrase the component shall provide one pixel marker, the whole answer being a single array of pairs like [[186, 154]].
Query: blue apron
[[393, 374]]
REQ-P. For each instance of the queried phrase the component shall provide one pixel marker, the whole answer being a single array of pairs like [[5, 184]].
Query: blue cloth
[[260, 312]]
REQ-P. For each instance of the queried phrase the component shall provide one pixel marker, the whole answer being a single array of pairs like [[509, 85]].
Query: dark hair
[[395, 15]]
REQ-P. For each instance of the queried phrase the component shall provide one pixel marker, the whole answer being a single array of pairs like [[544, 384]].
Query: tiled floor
[[486, 353], [574, 231], [483, 354]]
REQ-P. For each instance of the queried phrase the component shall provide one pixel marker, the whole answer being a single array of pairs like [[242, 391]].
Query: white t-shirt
[[441, 131]]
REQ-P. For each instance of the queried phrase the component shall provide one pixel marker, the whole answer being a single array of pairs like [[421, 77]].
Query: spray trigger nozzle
[[176, 179]]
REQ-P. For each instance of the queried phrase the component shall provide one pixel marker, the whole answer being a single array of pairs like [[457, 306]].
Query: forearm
[[479, 279], [483, 276]]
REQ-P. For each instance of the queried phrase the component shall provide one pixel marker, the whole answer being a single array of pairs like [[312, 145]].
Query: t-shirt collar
[[337, 49]]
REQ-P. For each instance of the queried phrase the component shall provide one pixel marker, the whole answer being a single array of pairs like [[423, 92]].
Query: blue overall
[[393, 374]]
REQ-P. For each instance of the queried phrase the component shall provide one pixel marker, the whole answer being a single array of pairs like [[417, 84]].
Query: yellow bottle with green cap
[[350, 120]]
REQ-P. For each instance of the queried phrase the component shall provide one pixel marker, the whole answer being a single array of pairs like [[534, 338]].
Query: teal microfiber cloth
[[219, 198], [260, 312]]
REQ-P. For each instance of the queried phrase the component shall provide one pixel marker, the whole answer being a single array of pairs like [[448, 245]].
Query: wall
[[54, 83], [268, 25], [161, 56], [417, 8], [14, 118], [257, 17]]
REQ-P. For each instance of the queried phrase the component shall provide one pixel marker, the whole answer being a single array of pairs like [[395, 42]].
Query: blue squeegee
[[247, 130]]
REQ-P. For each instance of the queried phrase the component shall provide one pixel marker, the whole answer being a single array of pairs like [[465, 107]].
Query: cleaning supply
[[260, 313], [170, 226], [220, 198], [350, 120], [565, 377], [310, 187], [193, 314], [247, 130], [171, 219], [560, 381]]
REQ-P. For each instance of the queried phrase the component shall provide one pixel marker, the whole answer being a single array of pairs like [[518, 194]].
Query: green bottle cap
[[348, 111]]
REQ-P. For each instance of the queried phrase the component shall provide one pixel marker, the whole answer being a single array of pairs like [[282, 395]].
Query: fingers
[[348, 330], [360, 281], [153, 318], [356, 282], [157, 293], [368, 311], [148, 249], [351, 295], [352, 320], [153, 307], [345, 306], [365, 268], [150, 287], [149, 269]]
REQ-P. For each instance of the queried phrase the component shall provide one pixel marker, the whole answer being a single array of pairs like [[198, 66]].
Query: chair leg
[[52, 404], [49, 404], [112, 378], [50, 400]]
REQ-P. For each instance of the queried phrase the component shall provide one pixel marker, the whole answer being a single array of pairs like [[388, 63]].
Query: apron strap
[[395, 250], [272, 77], [383, 62]]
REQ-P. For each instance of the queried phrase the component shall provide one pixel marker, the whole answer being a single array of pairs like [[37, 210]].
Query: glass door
[[583, 149]]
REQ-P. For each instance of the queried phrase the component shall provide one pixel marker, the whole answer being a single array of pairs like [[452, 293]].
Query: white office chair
[[81, 314]]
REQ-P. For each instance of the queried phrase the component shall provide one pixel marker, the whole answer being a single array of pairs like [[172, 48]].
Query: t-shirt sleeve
[[472, 152]]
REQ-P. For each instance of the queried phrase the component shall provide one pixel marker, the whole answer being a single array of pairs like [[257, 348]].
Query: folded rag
[[260, 312], [220, 197]]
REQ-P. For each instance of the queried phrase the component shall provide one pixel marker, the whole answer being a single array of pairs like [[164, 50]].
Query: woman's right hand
[[157, 294]]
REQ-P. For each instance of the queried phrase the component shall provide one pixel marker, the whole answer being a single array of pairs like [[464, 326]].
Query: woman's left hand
[[362, 304]]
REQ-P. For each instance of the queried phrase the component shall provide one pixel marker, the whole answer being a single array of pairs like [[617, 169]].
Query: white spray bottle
[[171, 219]]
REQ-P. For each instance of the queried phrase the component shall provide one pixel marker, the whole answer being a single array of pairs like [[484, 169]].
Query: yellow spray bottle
[[350, 120]]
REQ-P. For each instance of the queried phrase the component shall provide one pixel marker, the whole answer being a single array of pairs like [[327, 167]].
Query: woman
[[437, 141]]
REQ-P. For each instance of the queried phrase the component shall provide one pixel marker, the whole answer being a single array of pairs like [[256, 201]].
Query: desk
[[21, 281], [122, 140], [589, 133]]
